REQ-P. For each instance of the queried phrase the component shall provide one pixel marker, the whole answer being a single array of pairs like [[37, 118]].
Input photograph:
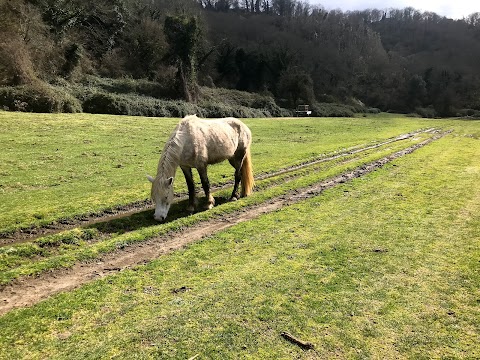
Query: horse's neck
[[170, 158]]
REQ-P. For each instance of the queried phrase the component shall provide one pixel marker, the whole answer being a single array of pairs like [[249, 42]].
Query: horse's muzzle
[[159, 218]]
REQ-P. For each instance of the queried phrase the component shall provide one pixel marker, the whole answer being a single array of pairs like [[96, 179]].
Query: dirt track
[[28, 291]]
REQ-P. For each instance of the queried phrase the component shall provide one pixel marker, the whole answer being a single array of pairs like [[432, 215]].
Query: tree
[[183, 36], [297, 86], [96, 25], [416, 92], [24, 43]]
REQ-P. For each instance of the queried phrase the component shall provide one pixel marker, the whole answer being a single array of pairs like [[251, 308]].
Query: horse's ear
[[150, 178], [169, 181]]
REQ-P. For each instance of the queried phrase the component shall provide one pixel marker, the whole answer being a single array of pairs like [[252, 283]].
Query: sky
[[455, 9]]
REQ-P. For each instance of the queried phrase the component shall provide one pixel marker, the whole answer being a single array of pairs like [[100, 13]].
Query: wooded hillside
[[287, 51]]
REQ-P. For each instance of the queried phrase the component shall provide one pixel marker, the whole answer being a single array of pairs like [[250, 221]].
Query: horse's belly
[[220, 149], [219, 154]]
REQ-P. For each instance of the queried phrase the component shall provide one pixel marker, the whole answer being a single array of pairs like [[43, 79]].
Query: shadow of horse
[[124, 223]]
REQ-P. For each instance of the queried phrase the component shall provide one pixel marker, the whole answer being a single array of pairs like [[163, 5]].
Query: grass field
[[58, 166], [384, 266]]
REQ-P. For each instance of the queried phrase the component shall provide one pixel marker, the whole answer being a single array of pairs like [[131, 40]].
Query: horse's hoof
[[233, 198], [190, 209], [210, 206]]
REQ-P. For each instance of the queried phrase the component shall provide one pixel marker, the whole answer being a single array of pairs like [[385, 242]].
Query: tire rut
[[35, 232], [31, 290]]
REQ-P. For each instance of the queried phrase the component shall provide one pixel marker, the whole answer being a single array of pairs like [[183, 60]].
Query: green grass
[[66, 248], [385, 266], [56, 166]]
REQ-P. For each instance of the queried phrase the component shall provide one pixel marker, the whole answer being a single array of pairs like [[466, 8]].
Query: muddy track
[[31, 290], [118, 212]]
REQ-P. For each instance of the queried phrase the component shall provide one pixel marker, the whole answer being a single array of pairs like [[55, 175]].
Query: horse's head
[[162, 195]]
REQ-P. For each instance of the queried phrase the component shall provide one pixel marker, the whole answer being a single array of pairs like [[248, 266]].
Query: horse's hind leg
[[191, 188], [236, 162], [202, 171]]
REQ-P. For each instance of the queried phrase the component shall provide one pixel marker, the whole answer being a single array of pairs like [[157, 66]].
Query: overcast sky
[[455, 9]]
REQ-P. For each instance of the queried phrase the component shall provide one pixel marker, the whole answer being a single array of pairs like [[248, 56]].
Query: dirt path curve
[[33, 233], [31, 290]]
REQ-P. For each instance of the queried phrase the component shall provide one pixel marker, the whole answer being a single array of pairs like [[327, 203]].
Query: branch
[[294, 340], [205, 57]]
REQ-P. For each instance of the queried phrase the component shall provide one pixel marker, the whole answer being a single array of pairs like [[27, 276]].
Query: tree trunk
[[257, 6]]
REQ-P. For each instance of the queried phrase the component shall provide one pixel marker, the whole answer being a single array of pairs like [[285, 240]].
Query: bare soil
[[31, 290]]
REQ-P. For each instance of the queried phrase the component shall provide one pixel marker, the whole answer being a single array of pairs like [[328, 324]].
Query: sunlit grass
[[66, 248], [56, 166], [385, 266]]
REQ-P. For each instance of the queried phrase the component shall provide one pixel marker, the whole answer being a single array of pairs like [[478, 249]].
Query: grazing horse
[[196, 143]]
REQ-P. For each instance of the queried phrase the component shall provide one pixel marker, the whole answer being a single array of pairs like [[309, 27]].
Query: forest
[[241, 58]]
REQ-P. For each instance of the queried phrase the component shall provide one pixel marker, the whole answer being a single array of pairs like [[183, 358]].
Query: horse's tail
[[247, 174]]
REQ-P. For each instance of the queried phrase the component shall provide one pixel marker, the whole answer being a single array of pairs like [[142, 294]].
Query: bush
[[356, 105], [128, 97], [38, 97], [147, 106], [226, 96], [129, 86], [16, 66], [180, 108], [240, 103], [425, 112], [220, 110], [267, 104], [134, 105], [469, 113], [332, 110], [103, 103], [215, 110]]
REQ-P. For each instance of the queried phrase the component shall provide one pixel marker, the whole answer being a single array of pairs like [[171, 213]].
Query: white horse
[[196, 143]]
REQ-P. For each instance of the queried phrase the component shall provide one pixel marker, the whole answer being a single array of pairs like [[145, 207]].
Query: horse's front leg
[[202, 171], [191, 188]]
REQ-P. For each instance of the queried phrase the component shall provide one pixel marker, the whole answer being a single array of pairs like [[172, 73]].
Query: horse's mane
[[169, 159], [173, 148], [189, 117], [171, 152]]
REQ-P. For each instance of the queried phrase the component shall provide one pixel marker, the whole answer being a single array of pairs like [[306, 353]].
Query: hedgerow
[[38, 97], [146, 98]]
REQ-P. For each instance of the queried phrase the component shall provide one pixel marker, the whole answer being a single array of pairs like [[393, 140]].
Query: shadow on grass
[[131, 222]]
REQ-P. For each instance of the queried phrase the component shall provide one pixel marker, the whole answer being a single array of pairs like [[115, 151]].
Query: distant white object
[[302, 110]]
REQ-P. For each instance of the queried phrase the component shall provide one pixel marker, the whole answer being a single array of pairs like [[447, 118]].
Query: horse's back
[[214, 140]]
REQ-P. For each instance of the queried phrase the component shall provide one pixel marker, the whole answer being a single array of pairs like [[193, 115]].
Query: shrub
[[425, 112], [469, 113], [107, 103], [240, 103], [212, 109], [127, 97], [103, 103], [16, 67], [128, 86], [356, 105], [332, 110], [38, 97], [215, 110], [267, 104], [181, 108], [326, 98]]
